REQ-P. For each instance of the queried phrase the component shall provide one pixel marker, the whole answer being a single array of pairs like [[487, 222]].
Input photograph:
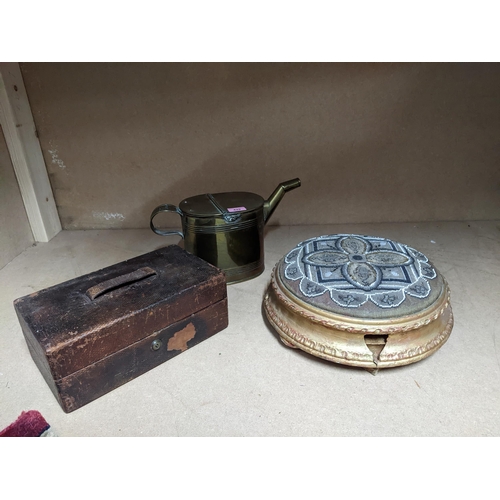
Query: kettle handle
[[164, 208]]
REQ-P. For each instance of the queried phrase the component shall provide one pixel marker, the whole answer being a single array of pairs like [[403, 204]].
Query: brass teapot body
[[226, 229]]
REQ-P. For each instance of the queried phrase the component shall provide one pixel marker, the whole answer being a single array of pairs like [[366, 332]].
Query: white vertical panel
[[27, 159]]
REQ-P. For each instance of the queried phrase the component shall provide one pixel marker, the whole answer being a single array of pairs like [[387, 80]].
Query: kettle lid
[[211, 205]]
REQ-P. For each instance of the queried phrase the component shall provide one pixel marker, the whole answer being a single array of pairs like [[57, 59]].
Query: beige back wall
[[15, 231], [370, 142]]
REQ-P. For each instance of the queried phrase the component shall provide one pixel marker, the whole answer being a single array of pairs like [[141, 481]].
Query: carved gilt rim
[[292, 338], [358, 325]]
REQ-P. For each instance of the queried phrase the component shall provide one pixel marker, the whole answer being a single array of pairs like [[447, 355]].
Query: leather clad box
[[94, 333]]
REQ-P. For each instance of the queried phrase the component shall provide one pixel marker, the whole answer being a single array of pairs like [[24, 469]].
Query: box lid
[[216, 205], [81, 321]]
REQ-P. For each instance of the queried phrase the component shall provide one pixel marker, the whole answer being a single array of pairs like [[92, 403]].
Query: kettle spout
[[271, 203]]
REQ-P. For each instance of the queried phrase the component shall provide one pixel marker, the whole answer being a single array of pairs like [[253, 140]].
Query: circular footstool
[[359, 300]]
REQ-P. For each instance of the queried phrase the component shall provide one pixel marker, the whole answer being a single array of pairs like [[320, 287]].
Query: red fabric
[[28, 424]]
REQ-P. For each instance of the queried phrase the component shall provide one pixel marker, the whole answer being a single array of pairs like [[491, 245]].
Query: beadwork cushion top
[[361, 276]]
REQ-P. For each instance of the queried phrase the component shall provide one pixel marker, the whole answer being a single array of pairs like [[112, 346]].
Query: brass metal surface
[[227, 229]]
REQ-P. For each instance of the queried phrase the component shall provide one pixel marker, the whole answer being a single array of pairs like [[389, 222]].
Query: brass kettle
[[227, 229]]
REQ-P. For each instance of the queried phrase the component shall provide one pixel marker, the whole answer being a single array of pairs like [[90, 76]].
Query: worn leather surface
[[72, 326]]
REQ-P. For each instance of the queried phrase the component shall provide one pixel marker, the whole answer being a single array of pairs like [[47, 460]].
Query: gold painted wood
[[367, 343]]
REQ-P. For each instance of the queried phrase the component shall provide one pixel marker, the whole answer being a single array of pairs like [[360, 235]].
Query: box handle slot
[[120, 281]]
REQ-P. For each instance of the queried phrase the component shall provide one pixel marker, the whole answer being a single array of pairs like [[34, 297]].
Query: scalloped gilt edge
[[289, 335], [313, 347], [380, 330], [424, 350]]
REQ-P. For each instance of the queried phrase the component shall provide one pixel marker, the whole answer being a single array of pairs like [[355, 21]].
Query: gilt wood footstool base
[[359, 300]]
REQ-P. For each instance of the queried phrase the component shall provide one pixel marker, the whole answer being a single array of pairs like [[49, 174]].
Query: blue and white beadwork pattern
[[354, 269]]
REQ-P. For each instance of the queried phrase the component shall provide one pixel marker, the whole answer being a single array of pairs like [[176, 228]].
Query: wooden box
[[94, 333]]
